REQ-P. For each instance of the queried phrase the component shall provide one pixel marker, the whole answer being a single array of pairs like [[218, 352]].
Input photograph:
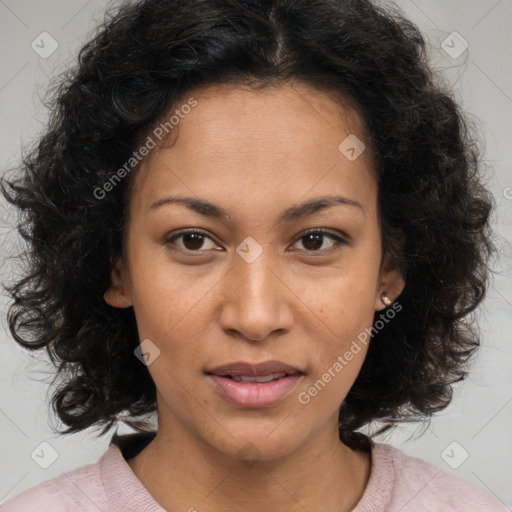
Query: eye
[[192, 240], [313, 240]]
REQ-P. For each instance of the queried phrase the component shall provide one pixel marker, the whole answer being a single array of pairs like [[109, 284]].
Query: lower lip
[[253, 395]]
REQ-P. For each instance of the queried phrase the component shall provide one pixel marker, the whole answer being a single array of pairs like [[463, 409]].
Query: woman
[[265, 222]]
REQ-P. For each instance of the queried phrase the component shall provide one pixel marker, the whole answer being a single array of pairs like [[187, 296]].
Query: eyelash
[[317, 231]]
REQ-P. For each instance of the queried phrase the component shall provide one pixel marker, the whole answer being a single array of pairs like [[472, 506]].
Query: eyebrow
[[208, 209]]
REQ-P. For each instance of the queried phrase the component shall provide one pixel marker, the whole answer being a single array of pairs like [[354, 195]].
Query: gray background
[[477, 423]]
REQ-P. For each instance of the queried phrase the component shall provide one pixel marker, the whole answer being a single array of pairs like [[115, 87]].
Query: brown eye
[[313, 241], [191, 240]]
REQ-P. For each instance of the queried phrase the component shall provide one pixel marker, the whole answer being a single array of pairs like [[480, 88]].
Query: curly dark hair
[[144, 58]]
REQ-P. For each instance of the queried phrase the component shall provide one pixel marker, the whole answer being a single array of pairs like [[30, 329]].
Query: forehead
[[284, 140]]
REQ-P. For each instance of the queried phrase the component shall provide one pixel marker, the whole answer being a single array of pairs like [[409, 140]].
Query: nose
[[256, 300]]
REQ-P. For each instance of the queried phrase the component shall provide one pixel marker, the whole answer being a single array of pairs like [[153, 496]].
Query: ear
[[391, 281], [118, 294]]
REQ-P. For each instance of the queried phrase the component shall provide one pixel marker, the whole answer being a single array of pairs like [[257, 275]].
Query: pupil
[[317, 242], [197, 240]]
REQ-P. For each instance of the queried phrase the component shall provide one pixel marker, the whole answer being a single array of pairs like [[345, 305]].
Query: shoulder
[[420, 486], [108, 484], [77, 490]]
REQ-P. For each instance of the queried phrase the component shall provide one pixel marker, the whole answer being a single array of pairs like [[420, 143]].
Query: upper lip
[[254, 369]]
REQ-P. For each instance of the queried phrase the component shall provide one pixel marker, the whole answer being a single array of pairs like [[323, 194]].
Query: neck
[[183, 473]]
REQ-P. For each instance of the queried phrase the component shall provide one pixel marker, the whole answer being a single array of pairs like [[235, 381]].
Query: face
[[259, 276]]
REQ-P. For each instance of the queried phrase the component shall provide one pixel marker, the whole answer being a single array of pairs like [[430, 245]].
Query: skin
[[254, 153]]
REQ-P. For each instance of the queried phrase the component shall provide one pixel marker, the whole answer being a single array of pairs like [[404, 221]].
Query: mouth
[[260, 379], [252, 386], [253, 370]]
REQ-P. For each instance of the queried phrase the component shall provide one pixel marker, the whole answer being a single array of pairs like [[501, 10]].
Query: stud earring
[[385, 299]]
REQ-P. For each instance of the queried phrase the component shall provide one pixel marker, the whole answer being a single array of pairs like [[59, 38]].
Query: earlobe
[[391, 283], [117, 294]]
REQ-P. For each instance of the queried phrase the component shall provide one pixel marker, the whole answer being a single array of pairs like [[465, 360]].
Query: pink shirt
[[398, 483]]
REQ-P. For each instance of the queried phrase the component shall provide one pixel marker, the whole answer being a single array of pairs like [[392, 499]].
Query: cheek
[[339, 346], [343, 310], [345, 300], [166, 295]]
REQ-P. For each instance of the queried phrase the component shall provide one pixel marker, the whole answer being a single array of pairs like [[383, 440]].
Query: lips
[[248, 371], [252, 386]]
